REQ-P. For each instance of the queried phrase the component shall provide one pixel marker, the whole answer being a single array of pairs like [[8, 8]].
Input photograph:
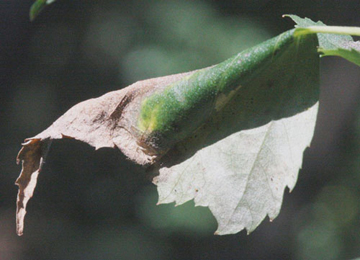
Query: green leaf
[[230, 136], [333, 40], [171, 114], [37, 7], [245, 155], [350, 51]]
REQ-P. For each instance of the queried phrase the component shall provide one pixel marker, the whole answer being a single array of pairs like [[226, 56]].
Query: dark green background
[[98, 205]]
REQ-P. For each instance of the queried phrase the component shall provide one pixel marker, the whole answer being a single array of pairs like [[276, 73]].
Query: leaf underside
[[242, 177], [279, 103], [258, 113]]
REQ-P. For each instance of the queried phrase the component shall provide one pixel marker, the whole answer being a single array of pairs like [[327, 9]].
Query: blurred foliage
[[185, 219], [37, 7], [97, 205]]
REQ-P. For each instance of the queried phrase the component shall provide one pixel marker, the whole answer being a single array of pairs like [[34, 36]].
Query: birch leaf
[[230, 136], [242, 176]]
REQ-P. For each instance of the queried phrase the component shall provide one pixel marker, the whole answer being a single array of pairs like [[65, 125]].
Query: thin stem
[[345, 30]]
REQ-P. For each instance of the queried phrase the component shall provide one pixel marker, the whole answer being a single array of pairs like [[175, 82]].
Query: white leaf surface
[[242, 177]]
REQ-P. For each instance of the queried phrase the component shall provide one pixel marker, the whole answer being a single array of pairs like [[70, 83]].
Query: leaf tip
[[287, 16], [20, 216], [32, 156]]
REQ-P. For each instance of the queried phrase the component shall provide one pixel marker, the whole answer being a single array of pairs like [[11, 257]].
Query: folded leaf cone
[[165, 121]]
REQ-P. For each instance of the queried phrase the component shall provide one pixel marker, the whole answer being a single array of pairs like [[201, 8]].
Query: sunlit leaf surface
[[231, 136]]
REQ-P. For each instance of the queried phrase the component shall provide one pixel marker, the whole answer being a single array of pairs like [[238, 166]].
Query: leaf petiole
[[344, 30]]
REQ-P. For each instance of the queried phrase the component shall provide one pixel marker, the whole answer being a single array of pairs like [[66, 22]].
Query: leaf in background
[[331, 43], [37, 7]]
